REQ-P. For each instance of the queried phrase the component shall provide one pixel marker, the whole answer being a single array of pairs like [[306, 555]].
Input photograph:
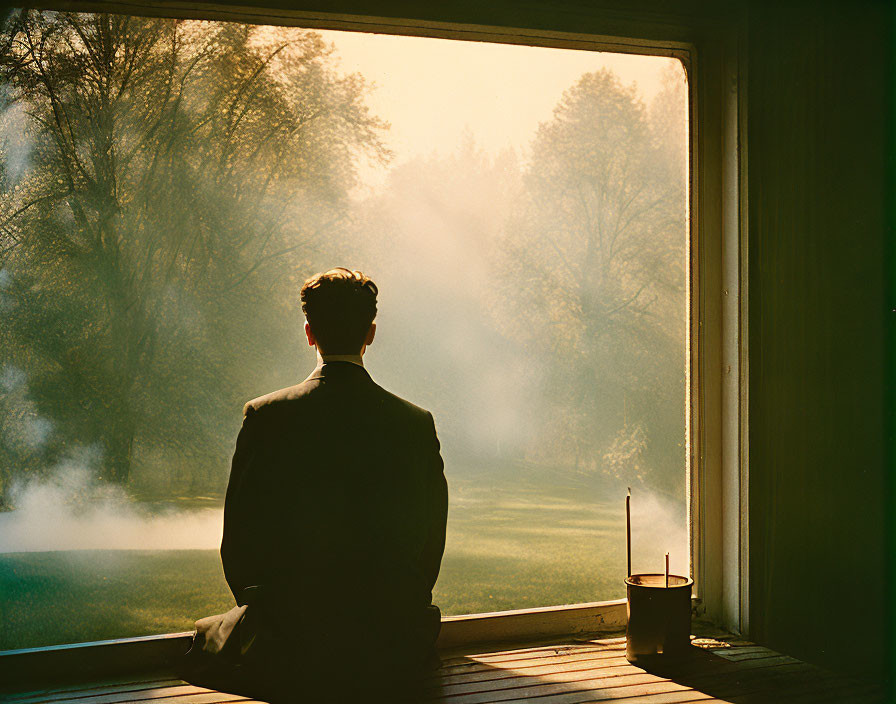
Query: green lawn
[[504, 552], [83, 595]]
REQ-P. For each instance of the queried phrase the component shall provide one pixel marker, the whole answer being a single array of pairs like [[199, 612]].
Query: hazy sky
[[431, 90]]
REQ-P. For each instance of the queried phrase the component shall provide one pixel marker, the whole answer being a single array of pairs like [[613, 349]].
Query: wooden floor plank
[[830, 690], [533, 654], [91, 690], [180, 692], [473, 668], [52, 692], [725, 669], [627, 686], [741, 652], [589, 697], [165, 696], [480, 672], [489, 674], [477, 661], [612, 677]]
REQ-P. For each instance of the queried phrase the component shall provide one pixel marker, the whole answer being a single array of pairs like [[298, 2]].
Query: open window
[[551, 289]]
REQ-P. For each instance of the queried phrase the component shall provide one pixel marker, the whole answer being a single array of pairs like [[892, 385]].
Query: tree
[[597, 246], [180, 171], [429, 239]]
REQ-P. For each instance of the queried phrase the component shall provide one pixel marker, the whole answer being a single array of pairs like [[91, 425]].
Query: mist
[[70, 510]]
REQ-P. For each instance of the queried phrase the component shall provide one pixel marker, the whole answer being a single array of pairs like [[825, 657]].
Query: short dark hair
[[339, 305]]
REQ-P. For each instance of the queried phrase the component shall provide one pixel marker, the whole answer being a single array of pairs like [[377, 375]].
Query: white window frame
[[719, 476]]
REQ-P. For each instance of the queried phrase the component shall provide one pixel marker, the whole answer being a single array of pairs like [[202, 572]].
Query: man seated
[[336, 511]]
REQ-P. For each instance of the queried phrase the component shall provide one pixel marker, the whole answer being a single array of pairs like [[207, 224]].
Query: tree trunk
[[119, 447]]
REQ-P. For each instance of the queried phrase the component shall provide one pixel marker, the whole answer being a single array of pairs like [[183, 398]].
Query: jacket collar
[[353, 358], [338, 370]]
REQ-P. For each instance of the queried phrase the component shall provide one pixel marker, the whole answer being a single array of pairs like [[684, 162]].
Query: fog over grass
[[522, 548], [70, 511]]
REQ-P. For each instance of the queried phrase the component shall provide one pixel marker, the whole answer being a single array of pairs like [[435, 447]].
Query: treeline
[[550, 315], [175, 181], [169, 184]]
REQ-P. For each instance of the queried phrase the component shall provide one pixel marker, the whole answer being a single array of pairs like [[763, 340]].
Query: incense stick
[[667, 570], [628, 531]]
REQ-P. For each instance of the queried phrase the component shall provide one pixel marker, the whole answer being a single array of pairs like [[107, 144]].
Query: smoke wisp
[[659, 525]]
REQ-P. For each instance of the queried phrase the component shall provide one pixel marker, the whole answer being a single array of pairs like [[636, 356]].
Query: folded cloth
[[213, 634], [225, 651]]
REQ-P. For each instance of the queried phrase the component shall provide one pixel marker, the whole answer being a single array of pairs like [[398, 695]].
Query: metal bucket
[[659, 617]]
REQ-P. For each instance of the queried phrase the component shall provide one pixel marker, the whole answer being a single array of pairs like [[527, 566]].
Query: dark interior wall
[[817, 101], [817, 153]]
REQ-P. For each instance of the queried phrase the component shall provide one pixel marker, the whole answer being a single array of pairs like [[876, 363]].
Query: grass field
[[506, 550]]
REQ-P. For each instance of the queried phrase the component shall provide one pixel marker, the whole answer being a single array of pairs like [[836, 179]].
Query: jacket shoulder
[[404, 406], [279, 398]]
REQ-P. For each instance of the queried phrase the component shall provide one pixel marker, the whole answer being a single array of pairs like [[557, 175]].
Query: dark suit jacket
[[336, 505]]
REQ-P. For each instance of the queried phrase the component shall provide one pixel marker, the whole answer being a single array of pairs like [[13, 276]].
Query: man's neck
[[353, 358]]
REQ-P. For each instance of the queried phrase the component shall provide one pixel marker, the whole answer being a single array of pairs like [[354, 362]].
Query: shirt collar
[[353, 358]]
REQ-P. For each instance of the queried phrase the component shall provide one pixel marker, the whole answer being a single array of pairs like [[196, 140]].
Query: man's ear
[[370, 335], [310, 335]]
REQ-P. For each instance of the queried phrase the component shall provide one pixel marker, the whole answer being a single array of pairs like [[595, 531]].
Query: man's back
[[336, 507]]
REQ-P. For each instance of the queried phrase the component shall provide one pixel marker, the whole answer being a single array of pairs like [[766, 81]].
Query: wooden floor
[[719, 669]]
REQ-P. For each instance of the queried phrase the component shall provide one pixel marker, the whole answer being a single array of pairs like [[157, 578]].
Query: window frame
[[717, 451]]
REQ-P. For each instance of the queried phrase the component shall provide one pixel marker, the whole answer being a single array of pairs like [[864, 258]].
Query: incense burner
[[659, 616]]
